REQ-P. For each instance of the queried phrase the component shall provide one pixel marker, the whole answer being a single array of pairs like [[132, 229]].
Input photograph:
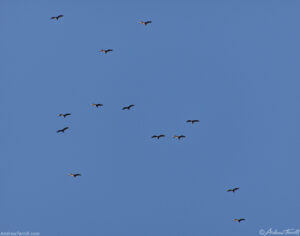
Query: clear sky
[[234, 65]]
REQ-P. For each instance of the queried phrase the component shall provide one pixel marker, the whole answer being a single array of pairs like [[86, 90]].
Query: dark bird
[[158, 136], [105, 50], [128, 108], [56, 17], [233, 190], [62, 130], [74, 175], [145, 22], [239, 220], [192, 121], [179, 137], [97, 105], [64, 115]]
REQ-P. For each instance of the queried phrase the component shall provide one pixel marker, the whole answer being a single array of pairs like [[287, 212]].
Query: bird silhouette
[[74, 175], [62, 130], [233, 190], [145, 23], [97, 105], [158, 136], [105, 50], [56, 17], [64, 115], [179, 137], [128, 108], [192, 121], [239, 220]]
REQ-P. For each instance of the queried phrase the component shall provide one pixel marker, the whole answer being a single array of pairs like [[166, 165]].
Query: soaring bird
[[145, 22], [74, 175], [192, 121], [233, 190], [239, 220], [97, 105], [128, 108], [62, 130], [158, 136], [64, 115], [105, 50], [56, 17], [179, 137]]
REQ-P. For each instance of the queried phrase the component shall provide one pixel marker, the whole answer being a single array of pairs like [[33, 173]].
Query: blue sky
[[234, 65]]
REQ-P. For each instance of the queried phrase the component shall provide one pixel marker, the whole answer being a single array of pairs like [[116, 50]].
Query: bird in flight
[[56, 17], [158, 136], [145, 22], [239, 220], [74, 175], [179, 137], [97, 105], [64, 115], [233, 190], [128, 108], [62, 130], [105, 50], [192, 121]]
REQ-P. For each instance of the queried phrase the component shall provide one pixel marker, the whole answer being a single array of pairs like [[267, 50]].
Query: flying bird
[[192, 121], [233, 190], [56, 17], [239, 220], [158, 136], [64, 115], [145, 22], [105, 50], [128, 108], [97, 105], [179, 137], [74, 175], [62, 130]]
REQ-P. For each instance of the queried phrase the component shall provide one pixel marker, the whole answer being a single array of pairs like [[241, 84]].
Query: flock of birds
[[105, 51]]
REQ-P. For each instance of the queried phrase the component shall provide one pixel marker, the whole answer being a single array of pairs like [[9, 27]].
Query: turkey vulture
[[179, 137], [74, 175], [192, 121], [62, 130], [233, 190], [105, 50], [64, 115], [145, 22], [158, 136], [239, 220], [56, 17], [97, 105], [128, 108]]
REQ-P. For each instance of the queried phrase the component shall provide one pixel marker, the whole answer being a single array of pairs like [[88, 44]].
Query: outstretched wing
[[148, 22], [235, 189], [59, 16]]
